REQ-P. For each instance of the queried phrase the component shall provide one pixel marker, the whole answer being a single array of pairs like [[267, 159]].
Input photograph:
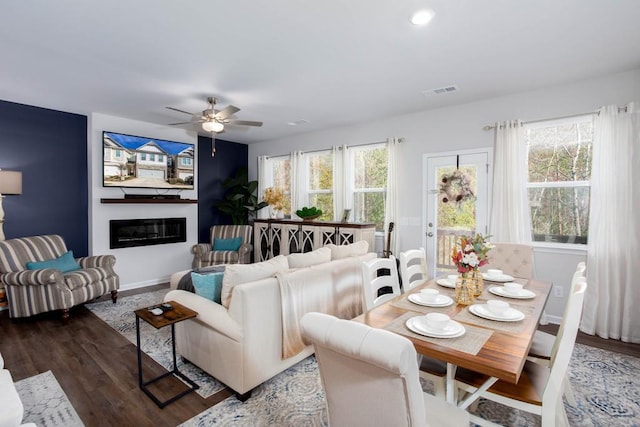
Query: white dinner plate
[[502, 292], [499, 278], [418, 325], [511, 315], [441, 300], [446, 283]]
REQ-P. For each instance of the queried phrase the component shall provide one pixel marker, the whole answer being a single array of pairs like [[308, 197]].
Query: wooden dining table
[[496, 348]]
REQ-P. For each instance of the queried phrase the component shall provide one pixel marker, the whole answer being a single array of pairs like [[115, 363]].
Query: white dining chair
[[514, 259], [545, 345], [370, 377], [413, 268], [374, 280], [539, 389]]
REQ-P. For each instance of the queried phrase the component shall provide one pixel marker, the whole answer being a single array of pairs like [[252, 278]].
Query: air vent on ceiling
[[298, 122], [441, 90]]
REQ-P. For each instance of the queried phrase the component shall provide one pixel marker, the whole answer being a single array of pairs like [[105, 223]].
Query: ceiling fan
[[213, 120]]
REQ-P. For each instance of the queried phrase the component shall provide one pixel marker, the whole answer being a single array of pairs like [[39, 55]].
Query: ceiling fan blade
[[179, 123], [179, 110], [226, 112], [244, 123]]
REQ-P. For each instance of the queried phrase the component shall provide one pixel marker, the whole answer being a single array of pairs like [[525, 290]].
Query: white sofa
[[12, 410], [241, 345]]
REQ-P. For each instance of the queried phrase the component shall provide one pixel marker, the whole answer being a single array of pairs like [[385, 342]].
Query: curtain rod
[[489, 127], [400, 140]]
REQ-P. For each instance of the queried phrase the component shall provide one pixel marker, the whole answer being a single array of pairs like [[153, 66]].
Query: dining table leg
[[450, 385]]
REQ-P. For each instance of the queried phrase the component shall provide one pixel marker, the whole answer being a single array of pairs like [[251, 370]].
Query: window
[[118, 153], [320, 183], [186, 161], [152, 157], [281, 170], [369, 183], [161, 158], [143, 156], [559, 163]]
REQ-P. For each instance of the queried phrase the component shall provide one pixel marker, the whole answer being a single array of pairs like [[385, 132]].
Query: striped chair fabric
[[36, 291], [205, 256]]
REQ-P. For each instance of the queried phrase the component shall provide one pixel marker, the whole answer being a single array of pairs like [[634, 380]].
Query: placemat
[[531, 302], [471, 342], [404, 303], [514, 327]]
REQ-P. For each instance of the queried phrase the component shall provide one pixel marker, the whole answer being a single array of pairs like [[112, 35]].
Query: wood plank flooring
[[97, 367]]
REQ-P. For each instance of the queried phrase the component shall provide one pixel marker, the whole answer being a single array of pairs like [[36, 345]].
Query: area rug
[[154, 342], [606, 387], [45, 403]]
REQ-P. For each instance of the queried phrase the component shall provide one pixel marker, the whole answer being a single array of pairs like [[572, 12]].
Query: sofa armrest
[[210, 313], [244, 253], [44, 276], [97, 261], [200, 249]]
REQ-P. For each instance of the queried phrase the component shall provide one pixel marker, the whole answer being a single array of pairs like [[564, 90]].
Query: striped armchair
[[205, 256], [36, 291]]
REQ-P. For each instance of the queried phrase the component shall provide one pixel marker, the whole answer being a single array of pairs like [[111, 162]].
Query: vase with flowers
[[469, 254], [274, 197]]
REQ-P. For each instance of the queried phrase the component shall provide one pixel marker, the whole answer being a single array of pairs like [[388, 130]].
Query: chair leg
[[568, 392], [65, 316], [114, 296]]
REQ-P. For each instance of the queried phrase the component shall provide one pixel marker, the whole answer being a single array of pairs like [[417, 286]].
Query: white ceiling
[[332, 63]]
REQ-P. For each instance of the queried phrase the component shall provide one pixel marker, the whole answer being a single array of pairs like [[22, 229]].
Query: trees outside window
[[281, 170], [369, 166], [559, 165], [320, 183]]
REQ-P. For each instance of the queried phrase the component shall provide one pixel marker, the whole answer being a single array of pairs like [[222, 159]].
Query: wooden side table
[[171, 317]]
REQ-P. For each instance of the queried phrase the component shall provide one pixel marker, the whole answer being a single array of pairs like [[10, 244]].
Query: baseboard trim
[[555, 320], [144, 284]]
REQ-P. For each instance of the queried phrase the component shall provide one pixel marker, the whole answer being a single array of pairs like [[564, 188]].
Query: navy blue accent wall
[[212, 171], [50, 149]]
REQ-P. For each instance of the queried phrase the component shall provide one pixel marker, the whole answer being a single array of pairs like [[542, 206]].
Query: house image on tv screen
[[134, 161]]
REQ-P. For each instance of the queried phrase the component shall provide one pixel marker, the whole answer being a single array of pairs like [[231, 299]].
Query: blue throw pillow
[[208, 285], [227, 244], [64, 263]]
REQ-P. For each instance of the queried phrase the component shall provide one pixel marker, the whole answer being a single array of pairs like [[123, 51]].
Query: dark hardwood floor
[[97, 367]]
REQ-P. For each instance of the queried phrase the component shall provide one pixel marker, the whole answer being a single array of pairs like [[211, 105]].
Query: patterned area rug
[[154, 342], [606, 387], [45, 403]]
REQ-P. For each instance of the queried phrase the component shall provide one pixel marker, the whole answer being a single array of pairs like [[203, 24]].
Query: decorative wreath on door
[[456, 187]]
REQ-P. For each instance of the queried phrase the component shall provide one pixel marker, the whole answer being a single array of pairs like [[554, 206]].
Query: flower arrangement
[[456, 187], [471, 253], [274, 197]]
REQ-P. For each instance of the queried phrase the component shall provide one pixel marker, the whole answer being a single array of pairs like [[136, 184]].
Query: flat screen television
[[141, 162]]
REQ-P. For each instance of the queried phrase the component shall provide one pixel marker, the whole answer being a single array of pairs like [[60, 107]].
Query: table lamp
[[10, 183]]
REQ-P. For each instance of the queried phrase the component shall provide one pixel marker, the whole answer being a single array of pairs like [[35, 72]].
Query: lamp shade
[[213, 126], [10, 182]]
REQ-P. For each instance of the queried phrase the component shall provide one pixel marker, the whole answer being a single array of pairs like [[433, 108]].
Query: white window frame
[[308, 190], [353, 150]]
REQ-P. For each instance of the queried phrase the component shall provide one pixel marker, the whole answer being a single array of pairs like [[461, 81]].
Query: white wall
[[460, 128], [144, 265]]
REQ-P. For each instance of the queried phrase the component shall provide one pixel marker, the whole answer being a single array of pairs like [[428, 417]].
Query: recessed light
[[422, 17], [298, 122]]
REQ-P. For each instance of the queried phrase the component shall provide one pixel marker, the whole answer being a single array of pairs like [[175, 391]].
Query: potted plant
[[240, 200]]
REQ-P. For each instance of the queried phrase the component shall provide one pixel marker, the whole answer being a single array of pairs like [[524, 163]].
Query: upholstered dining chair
[[370, 377], [514, 259], [41, 275], [413, 268], [374, 279], [539, 389], [544, 345], [229, 244]]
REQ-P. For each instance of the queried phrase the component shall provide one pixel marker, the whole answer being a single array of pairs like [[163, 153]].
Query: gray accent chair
[[205, 256], [36, 291]]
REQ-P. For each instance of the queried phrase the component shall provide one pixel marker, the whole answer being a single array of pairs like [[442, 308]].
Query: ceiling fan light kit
[[213, 120]]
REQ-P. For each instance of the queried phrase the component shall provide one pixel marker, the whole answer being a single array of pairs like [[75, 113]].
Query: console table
[[274, 237]]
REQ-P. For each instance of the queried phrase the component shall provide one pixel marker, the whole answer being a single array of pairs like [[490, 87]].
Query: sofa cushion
[[12, 409], [236, 274], [80, 278], [232, 244], [319, 256], [208, 285], [345, 251], [66, 262]]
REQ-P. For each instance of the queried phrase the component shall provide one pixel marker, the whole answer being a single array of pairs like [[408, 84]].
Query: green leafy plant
[[240, 201], [306, 212]]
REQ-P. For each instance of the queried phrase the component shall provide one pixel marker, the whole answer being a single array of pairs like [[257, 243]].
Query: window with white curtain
[[369, 182], [281, 173], [559, 172], [320, 182]]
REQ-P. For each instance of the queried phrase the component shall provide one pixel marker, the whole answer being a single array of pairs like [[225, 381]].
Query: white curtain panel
[[299, 180], [347, 178], [265, 180], [510, 219], [338, 183], [391, 204], [611, 300]]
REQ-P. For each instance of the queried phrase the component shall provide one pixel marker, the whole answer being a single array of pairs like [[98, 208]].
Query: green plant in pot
[[240, 201]]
